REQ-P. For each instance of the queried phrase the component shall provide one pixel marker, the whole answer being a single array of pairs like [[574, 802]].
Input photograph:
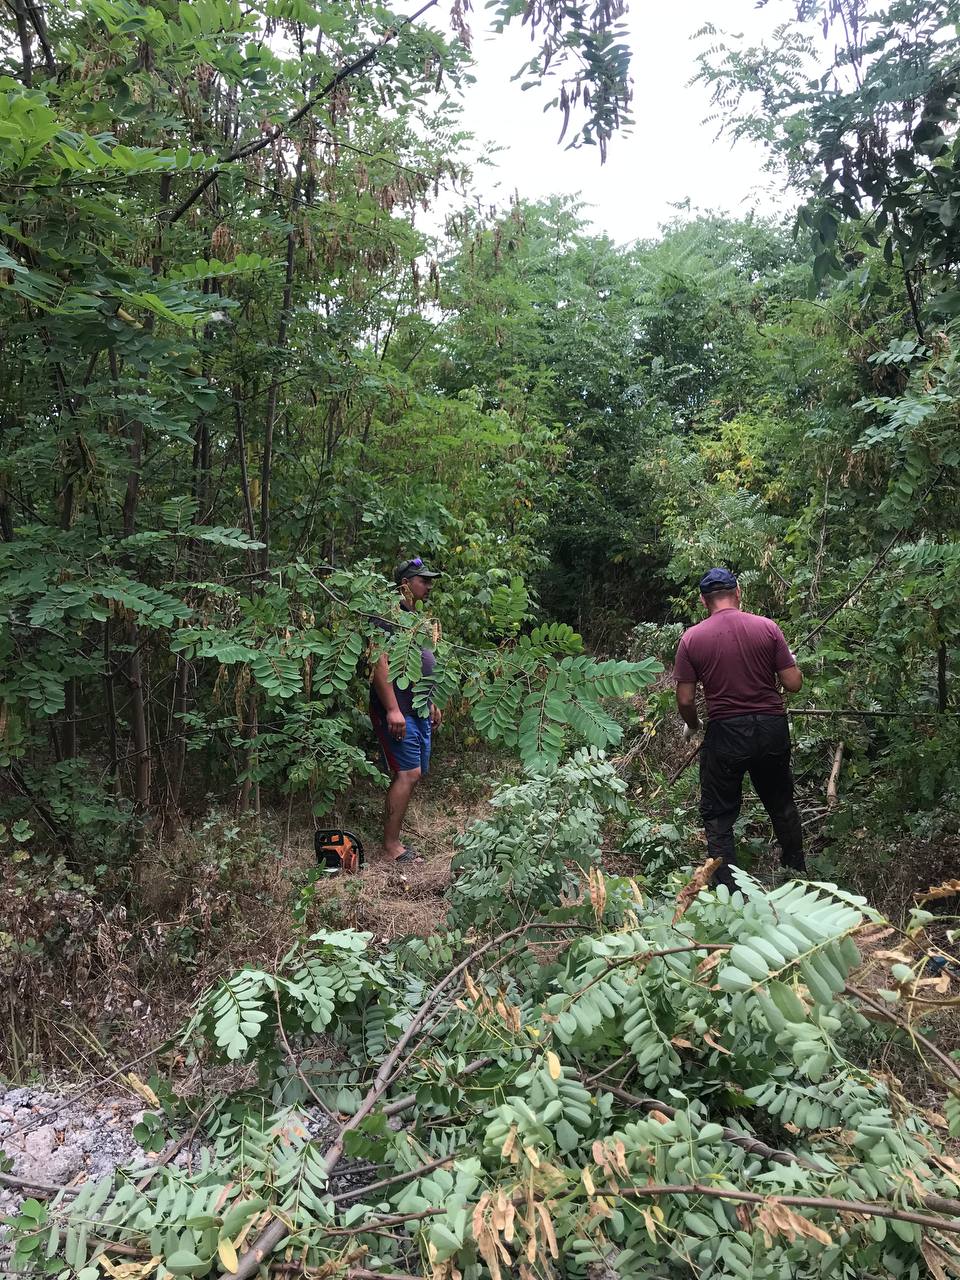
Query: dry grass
[[221, 896], [389, 901]]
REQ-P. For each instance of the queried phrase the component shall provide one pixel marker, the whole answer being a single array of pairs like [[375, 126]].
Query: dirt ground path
[[390, 901]]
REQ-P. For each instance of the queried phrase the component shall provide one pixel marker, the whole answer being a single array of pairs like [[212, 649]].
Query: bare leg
[[398, 797]]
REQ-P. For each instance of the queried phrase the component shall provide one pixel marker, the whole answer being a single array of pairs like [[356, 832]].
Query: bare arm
[[687, 704], [383, 684], [396, 724], [791, 678], [785, 664]]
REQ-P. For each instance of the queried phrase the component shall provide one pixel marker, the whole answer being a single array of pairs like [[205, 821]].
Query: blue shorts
[[412, 751]]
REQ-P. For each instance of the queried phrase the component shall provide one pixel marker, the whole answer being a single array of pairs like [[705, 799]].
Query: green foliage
[[239, 1015], [639, 1084], [542, 832], [215, 371], [565, 700]]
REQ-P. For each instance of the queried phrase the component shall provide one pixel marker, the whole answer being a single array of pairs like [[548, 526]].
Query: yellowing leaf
[[227, 1255], [945, 890], [588, 1182], [548, 1229], [508, 1224], [715, 1044], [507, 1150], [938, 1262], [553, 1065], [143, 1090], [711, 962], [128, 1270], [775, 1218], [701, 878]]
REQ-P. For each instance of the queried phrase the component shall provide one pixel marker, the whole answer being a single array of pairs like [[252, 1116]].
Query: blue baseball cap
[[717, 580]]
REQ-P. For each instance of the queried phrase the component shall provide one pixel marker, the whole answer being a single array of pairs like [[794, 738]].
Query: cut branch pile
[[581, 1090]]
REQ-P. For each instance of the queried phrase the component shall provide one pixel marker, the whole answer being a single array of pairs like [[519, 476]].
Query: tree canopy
[[243, 371]]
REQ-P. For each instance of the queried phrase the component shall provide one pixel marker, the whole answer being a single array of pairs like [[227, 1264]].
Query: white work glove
[[689, 733]]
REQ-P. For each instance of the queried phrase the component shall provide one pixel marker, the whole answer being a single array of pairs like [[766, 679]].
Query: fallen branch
[[268, 1240], [589, 1080], [363, 1273], [681, 769], [48, 1115], [831, 613], [291, 1058], [742, 1140], [856, 713], [376, 1224], [688, 760], [357, 1193], [643, 958], [867, 1207], [354, 1273], [409, 1099], [887, 1015], [754, 1146], [166, 1155], [31, 1184]]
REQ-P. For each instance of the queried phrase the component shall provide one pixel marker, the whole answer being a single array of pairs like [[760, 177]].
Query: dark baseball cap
[[717, 580], [414, 568]]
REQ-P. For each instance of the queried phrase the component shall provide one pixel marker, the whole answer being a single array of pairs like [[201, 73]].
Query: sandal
[[408, 856]]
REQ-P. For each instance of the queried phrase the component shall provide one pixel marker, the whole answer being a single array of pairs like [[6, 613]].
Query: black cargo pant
[[760, 746]]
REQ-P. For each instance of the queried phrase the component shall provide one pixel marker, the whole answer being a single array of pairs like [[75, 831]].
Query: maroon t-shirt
[[736, 657]]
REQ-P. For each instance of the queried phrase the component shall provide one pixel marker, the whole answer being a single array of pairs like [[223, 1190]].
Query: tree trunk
[[6, 517], [242, 452], [833, 796], [179, 754], [110, 696], [39, 24], [69, 738], [134, 665], [132, 494], [813, 595], [942, 687], [26, 49], [141, 744], [134, 670], [271, 411], [250, 791]]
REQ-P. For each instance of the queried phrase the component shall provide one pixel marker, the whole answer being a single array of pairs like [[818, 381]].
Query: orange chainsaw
[[338, 851]]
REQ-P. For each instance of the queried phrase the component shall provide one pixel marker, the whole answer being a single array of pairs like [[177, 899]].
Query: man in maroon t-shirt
[[742, 661]]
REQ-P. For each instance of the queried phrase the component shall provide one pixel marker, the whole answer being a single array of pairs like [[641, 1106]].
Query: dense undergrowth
[[217, 436], [573, 1077], [87, 982], [239, 381]]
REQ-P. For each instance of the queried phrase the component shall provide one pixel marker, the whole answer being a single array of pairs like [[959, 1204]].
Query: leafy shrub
[[543, 834], [659, 1087]]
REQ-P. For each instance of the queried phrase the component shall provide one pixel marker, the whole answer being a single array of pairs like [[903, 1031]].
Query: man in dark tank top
[[405, 734]]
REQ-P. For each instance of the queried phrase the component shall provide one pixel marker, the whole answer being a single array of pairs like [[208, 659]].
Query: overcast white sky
[[671, 154]]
